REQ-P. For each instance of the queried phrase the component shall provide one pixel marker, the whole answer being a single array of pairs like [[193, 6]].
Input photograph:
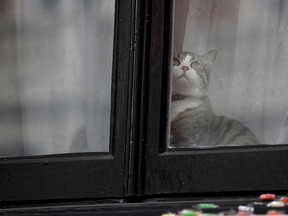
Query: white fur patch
[[186, 83], [182, 105]]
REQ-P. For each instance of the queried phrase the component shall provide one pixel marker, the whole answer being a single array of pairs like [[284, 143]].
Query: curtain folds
[[249, 80], [62, 56]]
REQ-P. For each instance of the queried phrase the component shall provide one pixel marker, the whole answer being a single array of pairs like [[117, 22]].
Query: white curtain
[[249, 80], [62, 76]]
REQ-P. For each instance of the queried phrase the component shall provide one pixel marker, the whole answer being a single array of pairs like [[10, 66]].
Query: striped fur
[[193, 121]]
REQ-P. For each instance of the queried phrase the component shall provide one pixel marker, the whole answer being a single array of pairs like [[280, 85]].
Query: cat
[[193, 121]]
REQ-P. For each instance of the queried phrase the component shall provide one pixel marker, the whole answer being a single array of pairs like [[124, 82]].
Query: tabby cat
[[193, 121]]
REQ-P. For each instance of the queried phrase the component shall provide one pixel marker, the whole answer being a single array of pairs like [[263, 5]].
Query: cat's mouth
[[183, 76]]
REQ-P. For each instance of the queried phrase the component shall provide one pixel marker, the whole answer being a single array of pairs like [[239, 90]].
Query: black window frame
[[84, 176], [139, 165], [169, 172]]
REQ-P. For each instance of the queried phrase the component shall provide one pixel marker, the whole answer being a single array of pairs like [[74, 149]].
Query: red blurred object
[[274, 213], [284, 199], [267, 197], [242, 213]]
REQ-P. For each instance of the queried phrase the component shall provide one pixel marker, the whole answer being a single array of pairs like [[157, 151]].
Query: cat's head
[[190, 73]]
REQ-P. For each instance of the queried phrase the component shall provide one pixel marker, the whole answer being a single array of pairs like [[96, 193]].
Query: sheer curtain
[[60, 58], [249, 80]]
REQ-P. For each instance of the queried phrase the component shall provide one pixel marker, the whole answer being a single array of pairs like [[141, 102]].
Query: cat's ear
[[210, 56]]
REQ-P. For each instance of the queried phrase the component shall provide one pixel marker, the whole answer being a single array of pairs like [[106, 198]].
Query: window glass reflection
[[55, 80], [229, 79]]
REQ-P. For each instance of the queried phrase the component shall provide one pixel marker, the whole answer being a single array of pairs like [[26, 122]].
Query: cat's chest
[[180, 106]]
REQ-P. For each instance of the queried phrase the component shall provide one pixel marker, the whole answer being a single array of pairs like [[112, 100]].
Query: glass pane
[[55, 80], [229, 73]]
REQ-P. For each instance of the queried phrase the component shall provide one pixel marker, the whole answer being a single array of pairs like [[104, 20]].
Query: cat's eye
[[176, 62], [195, 64]]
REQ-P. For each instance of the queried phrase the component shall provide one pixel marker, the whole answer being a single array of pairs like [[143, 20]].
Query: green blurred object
[[187, 212], [207, 206]]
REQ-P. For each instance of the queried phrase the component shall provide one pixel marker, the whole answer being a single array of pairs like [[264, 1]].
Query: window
[[138, 164], [53, 54], [241, 79], [227, 169], [56, 76]]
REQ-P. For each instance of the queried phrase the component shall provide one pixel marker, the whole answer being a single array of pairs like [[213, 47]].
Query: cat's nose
[[185, 68]]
